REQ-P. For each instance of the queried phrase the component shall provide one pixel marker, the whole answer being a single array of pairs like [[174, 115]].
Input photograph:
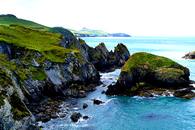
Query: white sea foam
[[109, 100]]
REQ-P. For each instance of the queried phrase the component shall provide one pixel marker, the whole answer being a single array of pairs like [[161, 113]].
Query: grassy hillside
[[84, 32], [91, 32], [44, 42], [148, 61], [11, 19]]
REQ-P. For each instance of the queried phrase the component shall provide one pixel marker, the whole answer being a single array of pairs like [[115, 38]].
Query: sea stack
[[146, 74]]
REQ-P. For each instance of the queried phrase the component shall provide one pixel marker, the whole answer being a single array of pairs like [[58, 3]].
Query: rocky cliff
[[146, 74], [35, 65], [105, 60]]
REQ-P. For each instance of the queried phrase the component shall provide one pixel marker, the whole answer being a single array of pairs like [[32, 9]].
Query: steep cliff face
[[148, 74], [105, 60], [30, 72], [35, 64]]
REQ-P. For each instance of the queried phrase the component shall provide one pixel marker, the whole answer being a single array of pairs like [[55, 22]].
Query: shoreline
[[78, 103]]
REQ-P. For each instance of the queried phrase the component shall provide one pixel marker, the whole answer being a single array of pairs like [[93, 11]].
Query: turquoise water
[[135, 113], [171, 47]]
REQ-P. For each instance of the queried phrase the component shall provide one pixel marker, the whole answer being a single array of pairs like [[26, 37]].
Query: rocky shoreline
[[34, 82], [40, 70], [147, 75], [190, 55]]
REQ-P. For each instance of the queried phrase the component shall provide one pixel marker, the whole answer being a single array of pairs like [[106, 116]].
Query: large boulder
[[75, 116], [144, 71]]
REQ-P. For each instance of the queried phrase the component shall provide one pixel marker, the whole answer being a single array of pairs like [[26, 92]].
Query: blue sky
[[136, 17]]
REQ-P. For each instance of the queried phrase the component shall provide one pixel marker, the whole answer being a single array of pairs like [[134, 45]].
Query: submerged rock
[[143, 72], [75, 116]]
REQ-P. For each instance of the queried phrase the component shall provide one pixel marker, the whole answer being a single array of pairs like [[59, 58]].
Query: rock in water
[[190, 55], [75, 116], [144, 71], [85, 117], [97, 102], [85, 105], [184, 93], [104, 60], [121, 54]]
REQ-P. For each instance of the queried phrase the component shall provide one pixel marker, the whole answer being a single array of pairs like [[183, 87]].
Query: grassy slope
[[92, 32], [149, 60], [44, 42], [10, 19]]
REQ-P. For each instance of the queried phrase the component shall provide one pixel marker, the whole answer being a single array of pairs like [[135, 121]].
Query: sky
[[135, 17]]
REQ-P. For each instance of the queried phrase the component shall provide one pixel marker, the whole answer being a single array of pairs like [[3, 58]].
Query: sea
[[135, 113]]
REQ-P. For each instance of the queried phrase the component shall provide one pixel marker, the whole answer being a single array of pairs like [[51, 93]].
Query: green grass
[[90, 32], [44, 42], [8, 20], [148, 60], [11, 19]]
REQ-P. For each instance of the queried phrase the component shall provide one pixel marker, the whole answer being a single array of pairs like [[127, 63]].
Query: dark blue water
[[136, 113]]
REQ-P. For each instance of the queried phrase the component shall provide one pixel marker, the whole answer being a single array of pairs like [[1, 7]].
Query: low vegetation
[[44, 42], [148, 60], [7, 20]]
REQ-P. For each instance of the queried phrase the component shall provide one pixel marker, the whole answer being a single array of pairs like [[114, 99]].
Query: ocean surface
[[135, 113]]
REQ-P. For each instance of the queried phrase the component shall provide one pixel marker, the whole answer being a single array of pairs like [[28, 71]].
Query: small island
[[145, 74]]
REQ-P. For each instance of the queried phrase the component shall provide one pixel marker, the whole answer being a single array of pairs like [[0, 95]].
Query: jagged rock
[[190, 55], [103, 92], [85, 105], [32, 76], [185, 93], [143, 72], [104, 60], [61, 66], [85, 117], [69, 40], [121, 53], [97, 102], [75, 116]]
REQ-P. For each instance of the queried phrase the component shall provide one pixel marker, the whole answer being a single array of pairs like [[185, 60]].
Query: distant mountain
[[86, 32], [10, 19]]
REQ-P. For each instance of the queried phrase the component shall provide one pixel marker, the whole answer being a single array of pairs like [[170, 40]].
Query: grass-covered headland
[[44, 42]]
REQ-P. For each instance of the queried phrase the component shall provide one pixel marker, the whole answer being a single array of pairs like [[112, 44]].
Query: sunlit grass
[[44, 42]]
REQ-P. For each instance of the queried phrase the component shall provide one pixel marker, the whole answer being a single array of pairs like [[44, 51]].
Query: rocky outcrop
[[190, 55], [75, 116], [28, 77], [104, 60], [144, 72], [14, 114], [62, 66]]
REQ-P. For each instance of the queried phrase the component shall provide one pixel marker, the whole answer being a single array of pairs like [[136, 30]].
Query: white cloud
[[136, 17]]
